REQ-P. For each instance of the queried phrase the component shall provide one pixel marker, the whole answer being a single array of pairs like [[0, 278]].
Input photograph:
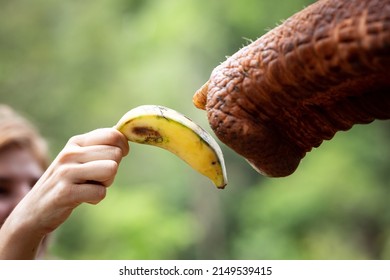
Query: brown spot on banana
[[150, 135], [323, 70]]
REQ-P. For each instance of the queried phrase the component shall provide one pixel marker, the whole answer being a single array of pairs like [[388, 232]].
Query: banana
[[168, 129]]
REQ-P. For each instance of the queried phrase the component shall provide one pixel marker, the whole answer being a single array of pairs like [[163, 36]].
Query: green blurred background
[[73, 66]]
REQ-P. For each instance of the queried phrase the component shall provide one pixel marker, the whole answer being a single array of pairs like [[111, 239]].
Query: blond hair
[[15, 130]]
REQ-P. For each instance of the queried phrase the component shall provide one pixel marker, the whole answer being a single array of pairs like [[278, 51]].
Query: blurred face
[[19, 171]]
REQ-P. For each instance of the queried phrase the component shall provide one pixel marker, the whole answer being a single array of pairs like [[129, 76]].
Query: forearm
[[18, 241]]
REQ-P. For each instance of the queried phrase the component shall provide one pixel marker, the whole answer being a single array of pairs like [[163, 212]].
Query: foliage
[[73, 66], [333, 207]]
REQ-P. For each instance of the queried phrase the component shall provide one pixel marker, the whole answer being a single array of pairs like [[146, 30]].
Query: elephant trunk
[[323, 70]]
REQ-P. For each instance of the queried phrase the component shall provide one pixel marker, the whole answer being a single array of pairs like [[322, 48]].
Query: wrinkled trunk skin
[[323, 70]]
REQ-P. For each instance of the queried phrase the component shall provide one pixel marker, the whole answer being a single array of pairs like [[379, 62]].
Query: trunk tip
[[200, 97]]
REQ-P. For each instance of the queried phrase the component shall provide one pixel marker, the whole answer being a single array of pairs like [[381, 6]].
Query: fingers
[[93, 156], [89, 193], [88, 163], [77, 154], [103, 136], [78, 183], [106, 144], [100, 172]]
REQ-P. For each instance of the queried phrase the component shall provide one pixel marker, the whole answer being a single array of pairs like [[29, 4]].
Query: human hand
[[80, 173]]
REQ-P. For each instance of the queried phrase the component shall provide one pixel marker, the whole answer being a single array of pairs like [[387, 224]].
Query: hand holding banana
[[87, 165], [165, 128]]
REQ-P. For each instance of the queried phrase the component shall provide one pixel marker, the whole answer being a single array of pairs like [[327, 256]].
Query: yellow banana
[[168, 129]]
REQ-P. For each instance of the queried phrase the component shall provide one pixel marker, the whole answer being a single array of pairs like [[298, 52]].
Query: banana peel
[[168, 129]]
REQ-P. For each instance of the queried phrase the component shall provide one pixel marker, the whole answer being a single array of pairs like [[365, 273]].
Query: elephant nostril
[[335, 69]]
